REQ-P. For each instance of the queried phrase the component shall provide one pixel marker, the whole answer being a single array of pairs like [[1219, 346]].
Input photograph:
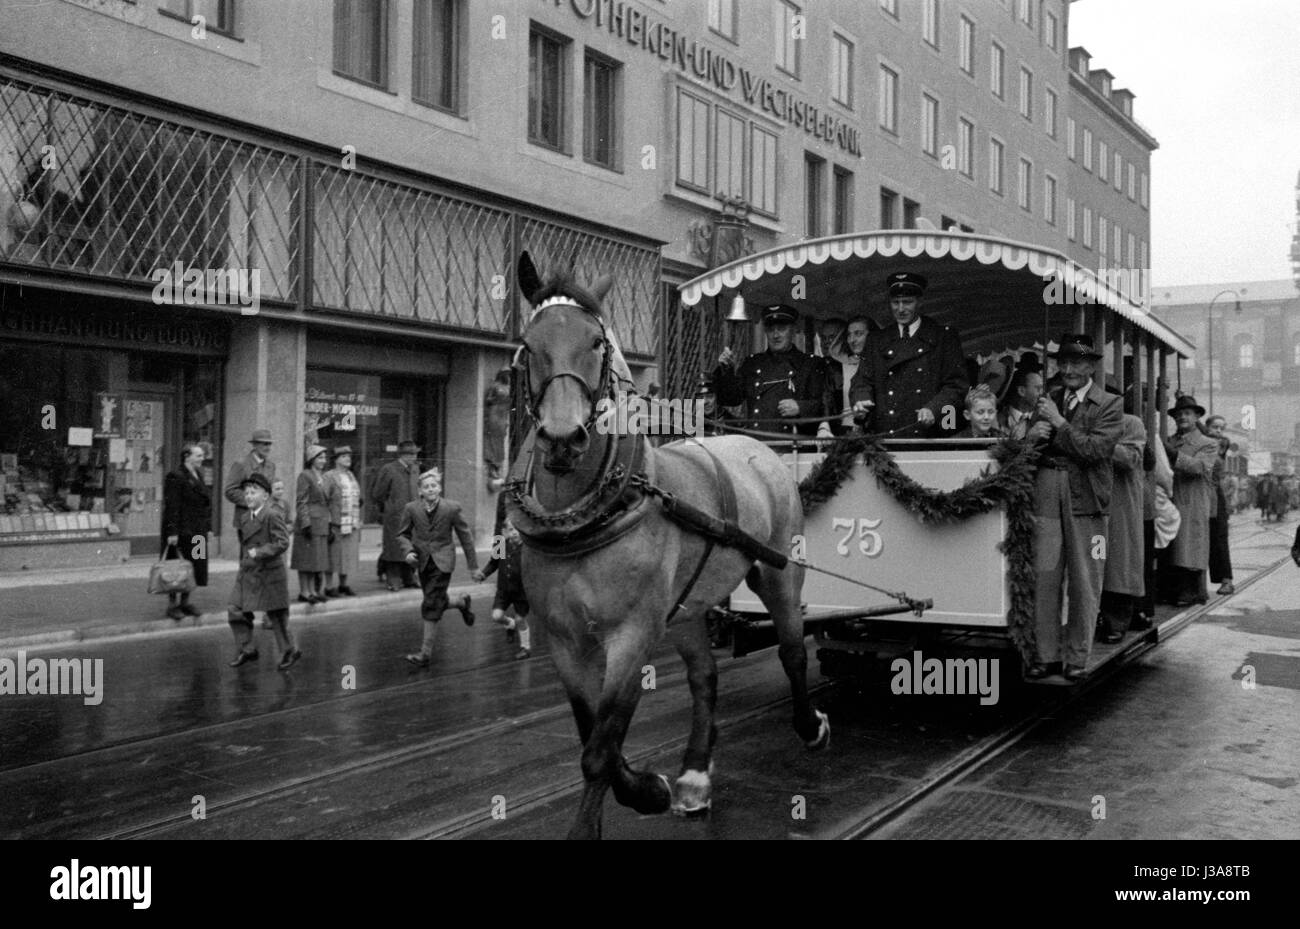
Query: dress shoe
[[316, 598], [1036, 672], [189, 609], [1111, 638], [244, 658], [346, 591], [289, 659], [465, 612], [522, 654], [392, 588], [303, 598], [331, 592], [1140, 623], [1226, 589], [1189, 601], [1076, 674], [175, 612], [419, 659]]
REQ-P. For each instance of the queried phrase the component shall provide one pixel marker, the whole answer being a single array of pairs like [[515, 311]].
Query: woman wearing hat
[[344, 496], [1194, 456], [312, 528]]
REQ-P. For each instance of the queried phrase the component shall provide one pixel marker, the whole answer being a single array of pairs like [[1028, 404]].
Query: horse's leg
[[577, 661], [779, 591], [693, 789]]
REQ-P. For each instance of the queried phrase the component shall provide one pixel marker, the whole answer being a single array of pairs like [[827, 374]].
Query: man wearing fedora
[[1077, 427], [779, 383], [1194, 457], [913, 372], [1021, 399], [396, 485], [258, 461]]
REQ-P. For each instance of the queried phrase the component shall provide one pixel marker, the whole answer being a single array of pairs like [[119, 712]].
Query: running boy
[[261, 583]]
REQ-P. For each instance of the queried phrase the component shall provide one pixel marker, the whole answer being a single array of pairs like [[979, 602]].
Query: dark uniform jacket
[[261, 583], [902, 375], [431, 539], [238, 472], [395, 486], [1084, 446], [767, 378]]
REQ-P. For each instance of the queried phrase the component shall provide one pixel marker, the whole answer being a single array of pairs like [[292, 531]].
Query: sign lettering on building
[[69, 326], [692, 57]]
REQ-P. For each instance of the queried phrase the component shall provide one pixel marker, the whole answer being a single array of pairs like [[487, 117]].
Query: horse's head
[[566, 363]]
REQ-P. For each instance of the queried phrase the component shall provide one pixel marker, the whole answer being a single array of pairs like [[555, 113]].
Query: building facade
[[305, 216]]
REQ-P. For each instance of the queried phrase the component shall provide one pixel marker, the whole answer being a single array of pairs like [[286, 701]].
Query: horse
[[609, 567]]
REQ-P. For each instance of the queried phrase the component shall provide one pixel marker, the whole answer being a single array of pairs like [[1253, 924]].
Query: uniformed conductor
[[780, 383], [911, 369]]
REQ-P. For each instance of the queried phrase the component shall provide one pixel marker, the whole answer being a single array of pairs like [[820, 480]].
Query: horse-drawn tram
[[916, 544]]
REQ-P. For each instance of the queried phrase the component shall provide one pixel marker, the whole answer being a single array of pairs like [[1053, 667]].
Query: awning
[[995, 292]]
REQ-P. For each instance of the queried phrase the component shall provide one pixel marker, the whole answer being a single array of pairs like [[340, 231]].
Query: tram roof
[[992, 290]]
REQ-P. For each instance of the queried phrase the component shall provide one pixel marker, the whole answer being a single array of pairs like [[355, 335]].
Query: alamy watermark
[[83, 677], [635, 415], [919, 675], [103, 882], [1125, 281], [182, 286]]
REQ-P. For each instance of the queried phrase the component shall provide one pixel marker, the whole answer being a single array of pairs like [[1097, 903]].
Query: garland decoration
[[1011, 486]]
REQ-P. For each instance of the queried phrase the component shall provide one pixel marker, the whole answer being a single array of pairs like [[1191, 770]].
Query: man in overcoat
[[1124, 581], [258, 461], [1194, 457], [1078, 426], [262, 583], [779, 383], [913, 372], [396, 485]]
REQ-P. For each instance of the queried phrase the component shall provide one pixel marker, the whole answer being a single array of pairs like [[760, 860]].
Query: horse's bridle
[[532, 401]]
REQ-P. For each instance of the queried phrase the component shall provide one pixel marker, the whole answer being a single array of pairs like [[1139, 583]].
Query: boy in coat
[[426, 543], [261, 583]]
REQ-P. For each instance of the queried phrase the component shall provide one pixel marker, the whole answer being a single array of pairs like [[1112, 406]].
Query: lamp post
[[1209, 333]]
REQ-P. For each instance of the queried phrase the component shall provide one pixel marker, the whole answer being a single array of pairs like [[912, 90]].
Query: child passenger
[[982, 413]]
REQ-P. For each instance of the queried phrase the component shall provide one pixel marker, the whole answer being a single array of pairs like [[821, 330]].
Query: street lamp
[[1209, 332]]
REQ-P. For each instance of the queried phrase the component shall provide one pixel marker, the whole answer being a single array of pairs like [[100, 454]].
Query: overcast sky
[[1218, 85]]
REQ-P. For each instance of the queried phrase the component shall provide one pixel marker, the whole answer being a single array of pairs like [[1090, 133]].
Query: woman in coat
[[1194, 457], [311, 528], [344, 495], [1124, 582], [186, 522]]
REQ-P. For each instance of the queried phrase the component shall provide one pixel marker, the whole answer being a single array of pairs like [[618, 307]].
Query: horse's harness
[[619, 498]]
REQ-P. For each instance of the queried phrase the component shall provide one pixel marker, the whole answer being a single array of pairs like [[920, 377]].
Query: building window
[[692, 142], [1103, 160], [1132, 178], [1026, 93], [1117, 239], [966, 46], [1087, 227], [842, 70], [843, 218], [762, 170], [1143, 268], [911, 213], [995, 166], [1049, 199], [1143, 190], [1246, 354], [1071, 229], [1026, 181], [1087, 149], [218, 15], [435, 56], [787, 45], [930, 22], [888, 209], [888, 103], [1295, 352], [548, 80], [1049, 112], [1027, 13], [722, 18], [890, 7], [929, 125], [600, 120], [729, 157], [1049, 30], [1130, 253], [1118, 173], [814, 183], [966, 147], [996, 54], [361, 41], [1103, 236], [1069, 138]]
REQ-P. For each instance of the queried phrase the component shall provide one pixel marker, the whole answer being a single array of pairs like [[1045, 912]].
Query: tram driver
[[779, 383], [912, 372]]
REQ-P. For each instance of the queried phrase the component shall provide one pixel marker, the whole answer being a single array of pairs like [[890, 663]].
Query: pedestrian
[[1193, 457], [507, 553], [425, 537], [396, 485], [310, 557], [776, 384], [1220, 557], [258, 461], [186, 523], [1077, 429], [280, 501], [344, 496], [1123, 583], [261, 583]]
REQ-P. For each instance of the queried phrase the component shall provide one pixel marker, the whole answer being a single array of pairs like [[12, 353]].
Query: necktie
[[902, 332], [1071, 405]]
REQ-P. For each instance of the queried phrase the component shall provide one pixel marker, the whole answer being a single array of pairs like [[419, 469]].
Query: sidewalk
[[71, 605]]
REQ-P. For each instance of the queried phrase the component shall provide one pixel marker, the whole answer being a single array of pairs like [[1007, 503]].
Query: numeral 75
[[870, 542]]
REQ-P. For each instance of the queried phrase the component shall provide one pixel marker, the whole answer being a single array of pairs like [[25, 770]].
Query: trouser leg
[[280, 629], [434, 584], [241, 626], [1048, 561], [1085, 550]]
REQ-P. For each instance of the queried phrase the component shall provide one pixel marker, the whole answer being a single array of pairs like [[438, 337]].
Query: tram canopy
[[997, 293]]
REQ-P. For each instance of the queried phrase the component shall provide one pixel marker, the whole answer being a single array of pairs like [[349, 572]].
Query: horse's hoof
[[693, 796], [823, 733]]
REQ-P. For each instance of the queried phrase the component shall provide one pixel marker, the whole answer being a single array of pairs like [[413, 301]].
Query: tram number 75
[[869, 541]]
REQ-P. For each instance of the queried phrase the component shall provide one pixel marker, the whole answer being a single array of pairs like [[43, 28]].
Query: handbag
[[171, 575]]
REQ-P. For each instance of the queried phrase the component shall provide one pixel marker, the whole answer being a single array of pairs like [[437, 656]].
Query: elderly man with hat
[[913, 373], [1077, 427], [1194, 457], [779, 383], [396, 485], [258, 461]]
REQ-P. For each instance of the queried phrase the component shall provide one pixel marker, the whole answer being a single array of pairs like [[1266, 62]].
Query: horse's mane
[[566, 285]]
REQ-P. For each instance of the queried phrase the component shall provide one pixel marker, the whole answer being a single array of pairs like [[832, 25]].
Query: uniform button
[[891, 393]]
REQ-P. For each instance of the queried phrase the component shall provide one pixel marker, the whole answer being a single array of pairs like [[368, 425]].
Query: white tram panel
[[864, 533]]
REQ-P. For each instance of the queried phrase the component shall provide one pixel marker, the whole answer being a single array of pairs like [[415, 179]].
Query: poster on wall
[[139, 419], [108, 415]]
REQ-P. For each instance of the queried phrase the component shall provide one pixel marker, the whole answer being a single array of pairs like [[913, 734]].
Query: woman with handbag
[[186, 522], [312, 532], [344, 495]]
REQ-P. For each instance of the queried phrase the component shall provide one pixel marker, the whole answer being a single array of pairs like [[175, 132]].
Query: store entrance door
[[137, 479]]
